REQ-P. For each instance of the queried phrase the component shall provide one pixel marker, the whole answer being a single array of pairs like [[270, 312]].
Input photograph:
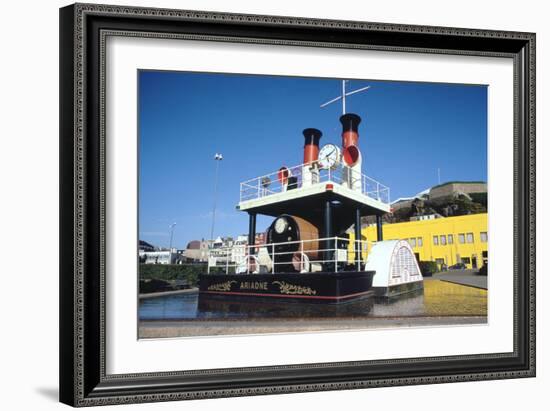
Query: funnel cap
[[350, 122], [312, 136]]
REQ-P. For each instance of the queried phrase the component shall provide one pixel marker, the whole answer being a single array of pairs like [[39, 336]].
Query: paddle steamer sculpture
[[308, 255]]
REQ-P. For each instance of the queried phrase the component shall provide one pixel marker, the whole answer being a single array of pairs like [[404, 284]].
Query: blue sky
[[408, 131]]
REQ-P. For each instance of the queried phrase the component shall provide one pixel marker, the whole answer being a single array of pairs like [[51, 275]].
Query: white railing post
[[273, 254], [334, 255], [360, 256], [301, 254]]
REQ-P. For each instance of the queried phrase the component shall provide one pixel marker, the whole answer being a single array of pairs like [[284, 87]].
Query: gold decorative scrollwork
[[292, 289], [226, 286]]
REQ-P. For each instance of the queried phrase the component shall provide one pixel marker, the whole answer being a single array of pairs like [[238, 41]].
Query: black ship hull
[[321, 287]]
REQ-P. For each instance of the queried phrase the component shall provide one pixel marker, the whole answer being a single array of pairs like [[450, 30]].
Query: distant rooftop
[[145, 244], [418, 195], [458, 182], [194, 245], [427, 191]]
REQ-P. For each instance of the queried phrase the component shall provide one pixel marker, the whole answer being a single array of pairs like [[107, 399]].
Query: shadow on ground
[[50, 393]]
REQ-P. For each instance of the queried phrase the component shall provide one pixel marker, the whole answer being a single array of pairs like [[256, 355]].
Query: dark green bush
[[483, 270], [480, 198], [427, 268], [153, 286], [171, 272]]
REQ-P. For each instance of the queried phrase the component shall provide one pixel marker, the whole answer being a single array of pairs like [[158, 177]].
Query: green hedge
[[170, 272], [480, 198], [154, 286], [427, 268], [483, 270]]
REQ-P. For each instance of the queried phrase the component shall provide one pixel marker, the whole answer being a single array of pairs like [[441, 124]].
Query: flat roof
[[309, 203]]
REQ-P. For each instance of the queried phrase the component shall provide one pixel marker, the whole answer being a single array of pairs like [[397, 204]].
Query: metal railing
[[331, 254], [305, 175]]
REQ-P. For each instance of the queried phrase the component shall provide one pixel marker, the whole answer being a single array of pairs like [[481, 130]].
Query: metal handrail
[[341, 174], [231, 260]]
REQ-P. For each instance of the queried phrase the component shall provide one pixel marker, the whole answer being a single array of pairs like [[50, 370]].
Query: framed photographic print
[[260, 204]]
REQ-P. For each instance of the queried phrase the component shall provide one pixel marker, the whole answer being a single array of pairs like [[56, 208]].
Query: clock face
[[329, 156]]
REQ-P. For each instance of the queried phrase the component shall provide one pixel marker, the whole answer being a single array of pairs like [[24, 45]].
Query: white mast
[[344, 95]]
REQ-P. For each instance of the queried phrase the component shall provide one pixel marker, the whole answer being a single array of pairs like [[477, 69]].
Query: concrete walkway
[[463, 277], [171, 329]]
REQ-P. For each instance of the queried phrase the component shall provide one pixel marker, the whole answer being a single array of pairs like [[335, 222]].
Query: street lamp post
[[217, 158], [171, 234]]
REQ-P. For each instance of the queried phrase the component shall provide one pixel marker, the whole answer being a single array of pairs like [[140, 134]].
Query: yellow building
[[447, 241]]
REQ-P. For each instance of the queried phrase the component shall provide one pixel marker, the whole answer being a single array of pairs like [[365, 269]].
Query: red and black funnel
[[311, 144], [350, 138]]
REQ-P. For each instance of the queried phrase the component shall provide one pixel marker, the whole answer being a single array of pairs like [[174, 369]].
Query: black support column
[[379, 233], [328, 233], [251, 231], [358, 237]]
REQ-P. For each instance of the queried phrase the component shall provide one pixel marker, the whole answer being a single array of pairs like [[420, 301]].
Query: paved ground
[[170, 329], [463, 277]]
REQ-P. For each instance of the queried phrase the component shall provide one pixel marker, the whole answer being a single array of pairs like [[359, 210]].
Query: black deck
[[322, 287]]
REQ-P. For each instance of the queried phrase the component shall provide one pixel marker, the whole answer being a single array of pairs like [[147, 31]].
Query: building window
[[419, 241], [443, 240], [450, 239], [436, 240], [483, 237], [470, 238], [461, 238], [412, 242]]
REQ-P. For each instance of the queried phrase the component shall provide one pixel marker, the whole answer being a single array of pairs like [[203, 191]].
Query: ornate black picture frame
[[83, 379]]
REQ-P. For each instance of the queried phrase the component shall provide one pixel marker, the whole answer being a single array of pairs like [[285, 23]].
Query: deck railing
[[305, 175], [324, 254]]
